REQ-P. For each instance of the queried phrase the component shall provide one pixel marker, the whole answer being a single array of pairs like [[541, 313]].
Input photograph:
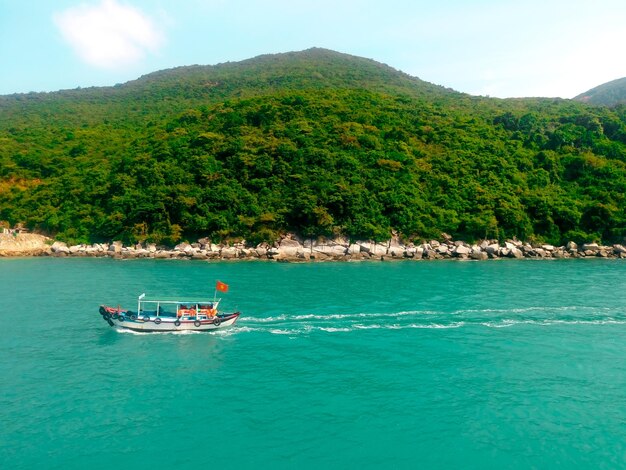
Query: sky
[[499, 48]]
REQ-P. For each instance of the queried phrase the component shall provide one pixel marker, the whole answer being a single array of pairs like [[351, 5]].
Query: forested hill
[[315, 142], [608, 94]]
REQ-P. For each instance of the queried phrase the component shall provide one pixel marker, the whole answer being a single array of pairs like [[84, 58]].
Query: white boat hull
[[171, 324]]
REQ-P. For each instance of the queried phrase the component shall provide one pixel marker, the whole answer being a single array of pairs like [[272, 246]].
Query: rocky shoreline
[[293, 249]]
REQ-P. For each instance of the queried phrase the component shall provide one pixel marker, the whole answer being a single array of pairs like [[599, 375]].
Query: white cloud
[[110, 34]]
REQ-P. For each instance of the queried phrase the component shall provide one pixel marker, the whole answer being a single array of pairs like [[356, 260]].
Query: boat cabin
[[182, 309]]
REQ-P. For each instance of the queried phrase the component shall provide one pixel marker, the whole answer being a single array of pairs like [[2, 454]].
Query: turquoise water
[[501, 364]]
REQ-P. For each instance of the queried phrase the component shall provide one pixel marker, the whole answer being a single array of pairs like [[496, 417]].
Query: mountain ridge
[[297, 61]]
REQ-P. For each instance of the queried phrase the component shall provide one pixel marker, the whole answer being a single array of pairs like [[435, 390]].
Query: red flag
[[220, 286]]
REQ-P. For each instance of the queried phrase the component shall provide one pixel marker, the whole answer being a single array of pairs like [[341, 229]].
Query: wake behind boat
[[171, 315]]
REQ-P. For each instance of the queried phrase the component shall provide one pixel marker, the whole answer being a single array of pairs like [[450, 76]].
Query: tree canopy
[[316, 142]]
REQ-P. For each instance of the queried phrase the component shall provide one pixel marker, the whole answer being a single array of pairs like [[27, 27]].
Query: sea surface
[[445, 364]]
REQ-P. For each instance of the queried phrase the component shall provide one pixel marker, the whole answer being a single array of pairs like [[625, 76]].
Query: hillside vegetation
[[315, 142]]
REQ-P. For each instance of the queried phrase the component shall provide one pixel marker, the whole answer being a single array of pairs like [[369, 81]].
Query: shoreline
[[293, 249]]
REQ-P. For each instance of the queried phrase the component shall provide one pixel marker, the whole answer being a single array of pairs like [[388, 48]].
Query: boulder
[[182, 247], [318, 256], [290, 248], [590, 247], [442, 249], [330, 250], [461, 250], [396, 249], [493, 249], [509, 245], [59, 247], [229, 252], [373, 248], [479, 255], [354, 249], [617, 249], [272, 253], [115, 247], [142, 253]]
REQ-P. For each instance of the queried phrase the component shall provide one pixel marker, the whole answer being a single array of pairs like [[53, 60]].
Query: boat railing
[[177, 308]]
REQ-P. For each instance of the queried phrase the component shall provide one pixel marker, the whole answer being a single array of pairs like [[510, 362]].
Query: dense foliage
[[316, 142]]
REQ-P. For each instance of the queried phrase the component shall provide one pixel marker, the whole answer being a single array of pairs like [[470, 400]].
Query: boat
[[169, 315]]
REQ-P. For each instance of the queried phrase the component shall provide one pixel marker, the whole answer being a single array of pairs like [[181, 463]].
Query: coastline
[[293, 249]]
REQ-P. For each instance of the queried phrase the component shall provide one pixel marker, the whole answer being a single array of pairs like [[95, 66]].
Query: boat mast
[[139, 302]]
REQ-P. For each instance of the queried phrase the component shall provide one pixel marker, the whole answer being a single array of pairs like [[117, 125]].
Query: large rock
[[479, 255], [442, 249], [289, 247], [24, 244], [619, 249], [379, 249], [414, 252], [493, 249], [461, 251], [229, 252], [354, 249], [590, 247], [58, 247], [116, 247], [184, 247], [318, 256], [395, 248], [272, 253], [332, 248]]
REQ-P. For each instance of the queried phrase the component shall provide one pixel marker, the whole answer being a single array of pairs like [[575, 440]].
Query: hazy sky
[[500, 48]]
